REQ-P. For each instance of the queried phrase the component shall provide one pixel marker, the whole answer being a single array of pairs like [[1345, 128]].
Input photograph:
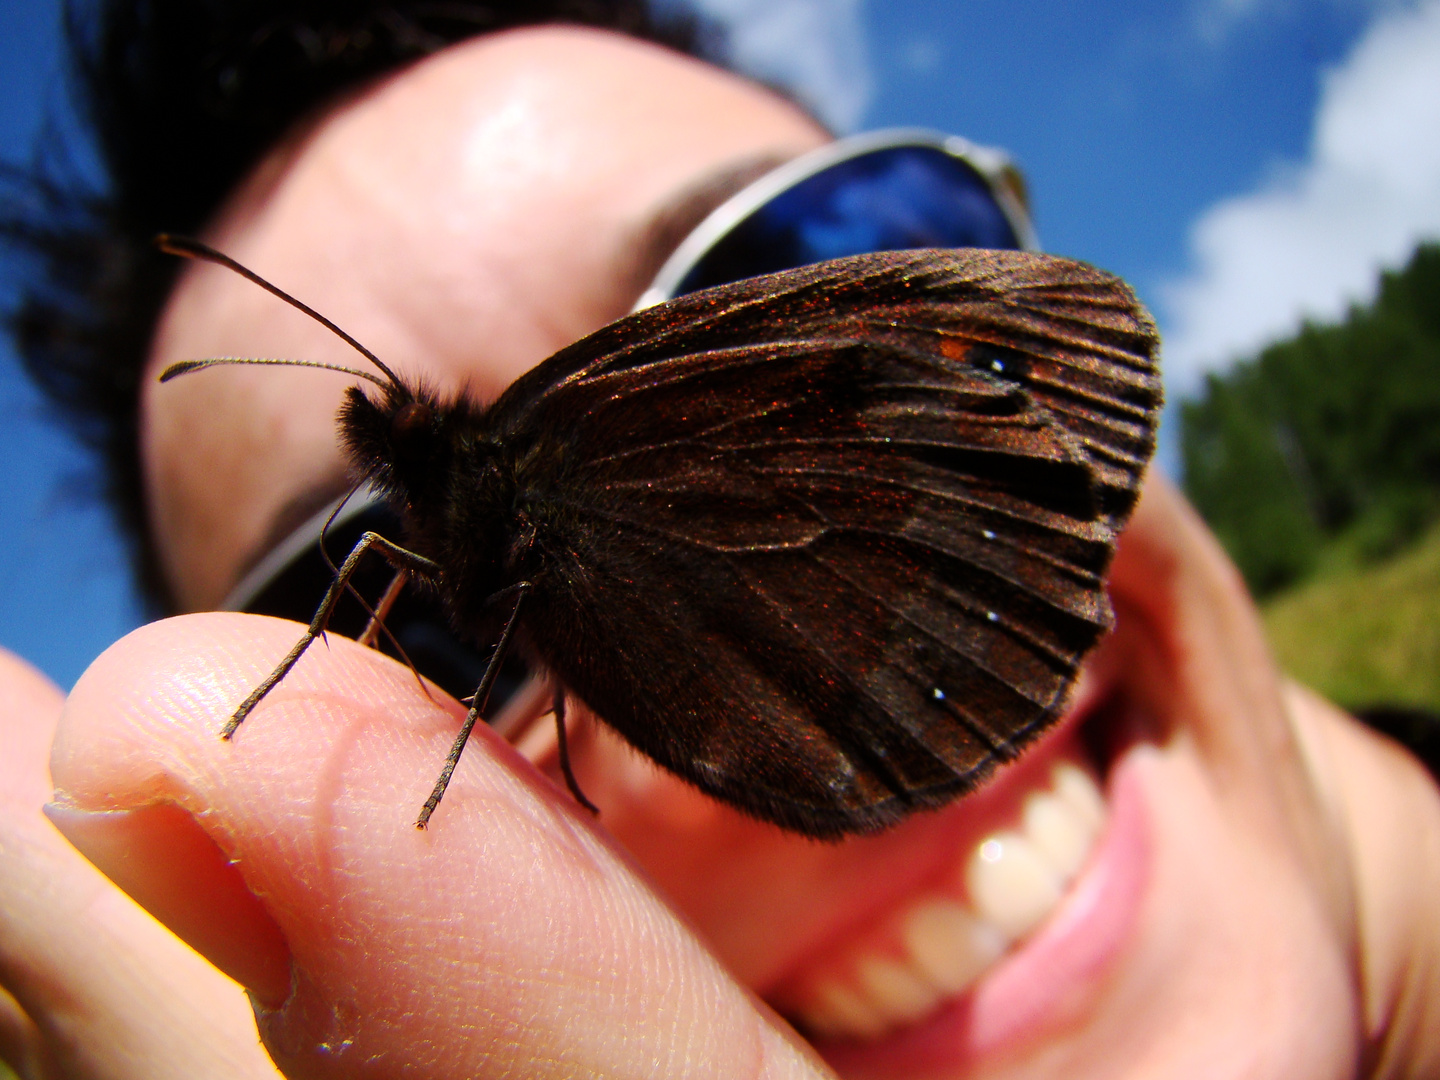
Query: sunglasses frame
[[995, 167], [305, 537]]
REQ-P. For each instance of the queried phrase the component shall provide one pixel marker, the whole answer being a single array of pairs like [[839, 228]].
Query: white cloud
[[922, 56], [1313, 239], [814, 48], [1215, 21]]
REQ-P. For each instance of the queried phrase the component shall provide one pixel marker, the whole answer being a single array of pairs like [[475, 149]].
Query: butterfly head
[[401, 442], [433, 462]]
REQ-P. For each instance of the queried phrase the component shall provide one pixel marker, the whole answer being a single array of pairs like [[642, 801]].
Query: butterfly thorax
[[451, 484], [485, 539]]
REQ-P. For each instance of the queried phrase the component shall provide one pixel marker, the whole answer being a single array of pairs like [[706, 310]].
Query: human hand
[[92, 985], [511, 938]]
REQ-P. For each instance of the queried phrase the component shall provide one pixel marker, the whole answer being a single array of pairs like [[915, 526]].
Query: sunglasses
[[881, 191]]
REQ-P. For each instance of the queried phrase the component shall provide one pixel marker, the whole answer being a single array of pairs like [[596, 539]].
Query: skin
[[464, 219]]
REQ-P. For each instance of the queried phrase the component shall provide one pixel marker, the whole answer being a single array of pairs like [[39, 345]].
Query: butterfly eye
[[411, 430]]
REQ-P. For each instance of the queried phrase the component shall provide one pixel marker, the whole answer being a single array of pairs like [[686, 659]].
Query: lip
[[1053, 977]]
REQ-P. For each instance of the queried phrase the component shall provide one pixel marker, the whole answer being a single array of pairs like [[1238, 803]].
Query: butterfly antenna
[[329, 521], [187, 248], [184, 367]]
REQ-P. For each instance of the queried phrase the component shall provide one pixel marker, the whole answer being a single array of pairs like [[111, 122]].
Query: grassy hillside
[[1366, 634]]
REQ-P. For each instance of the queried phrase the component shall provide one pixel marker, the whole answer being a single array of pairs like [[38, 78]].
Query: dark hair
[[181, 99]]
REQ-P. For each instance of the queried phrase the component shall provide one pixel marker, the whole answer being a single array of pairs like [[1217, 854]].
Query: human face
[[482, 209]]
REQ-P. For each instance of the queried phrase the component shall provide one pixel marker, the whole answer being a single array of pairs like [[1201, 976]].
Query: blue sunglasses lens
[[886, 200]]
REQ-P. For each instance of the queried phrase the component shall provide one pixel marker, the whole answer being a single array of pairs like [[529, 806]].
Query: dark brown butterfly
[[827, 543]]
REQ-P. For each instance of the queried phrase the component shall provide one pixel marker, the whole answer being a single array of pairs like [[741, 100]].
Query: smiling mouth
[[1027, 903], [927, 952]]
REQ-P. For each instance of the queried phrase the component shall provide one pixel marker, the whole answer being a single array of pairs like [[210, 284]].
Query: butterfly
[[829, 544]]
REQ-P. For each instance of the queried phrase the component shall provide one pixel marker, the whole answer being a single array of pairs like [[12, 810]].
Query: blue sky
[[1241, 162]]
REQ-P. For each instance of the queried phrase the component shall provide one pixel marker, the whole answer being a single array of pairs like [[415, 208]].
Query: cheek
[[225, 453], [680, 837], [1236, 971], [744, 885]]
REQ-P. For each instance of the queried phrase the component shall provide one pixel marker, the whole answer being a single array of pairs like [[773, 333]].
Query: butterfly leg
[[560, 741], [376, 624], [382, 608], [477, 706], [399, 557]]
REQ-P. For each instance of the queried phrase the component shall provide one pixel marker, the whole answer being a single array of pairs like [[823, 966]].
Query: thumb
[[511, 938]]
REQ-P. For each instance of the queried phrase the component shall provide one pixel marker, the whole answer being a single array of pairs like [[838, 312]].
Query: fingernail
[[168, 865]]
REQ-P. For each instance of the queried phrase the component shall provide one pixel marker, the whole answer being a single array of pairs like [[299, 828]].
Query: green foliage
[[1366, 636], [1324, 451]]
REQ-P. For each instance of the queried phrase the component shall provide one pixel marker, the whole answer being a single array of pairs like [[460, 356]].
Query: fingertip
[[164, 860]]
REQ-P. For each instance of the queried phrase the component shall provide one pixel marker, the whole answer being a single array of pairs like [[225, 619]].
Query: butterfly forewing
[[830, 543]]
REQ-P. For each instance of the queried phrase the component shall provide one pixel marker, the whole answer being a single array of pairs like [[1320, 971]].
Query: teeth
[[1062, 838], [838, 1010], [1073, 784], [949, 945], [1010, 885], [901, 995], [935, 948]]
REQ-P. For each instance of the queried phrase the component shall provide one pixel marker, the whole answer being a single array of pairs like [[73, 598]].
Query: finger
[[95, 987], [510, 938], [29, 709]]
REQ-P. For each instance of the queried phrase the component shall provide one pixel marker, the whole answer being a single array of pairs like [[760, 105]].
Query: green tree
[[1325, 446]]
